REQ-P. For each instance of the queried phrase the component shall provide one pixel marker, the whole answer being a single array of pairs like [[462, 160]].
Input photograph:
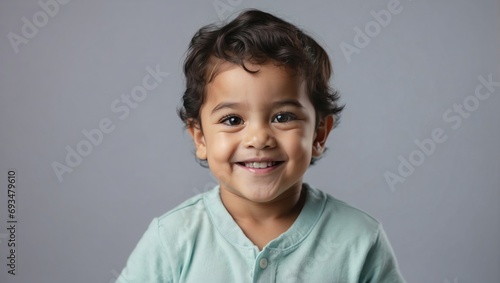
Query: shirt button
[[263, 263]]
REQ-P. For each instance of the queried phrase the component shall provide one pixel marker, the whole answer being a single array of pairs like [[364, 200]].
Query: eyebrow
[[277, 104], [230, 105], [288, 102]]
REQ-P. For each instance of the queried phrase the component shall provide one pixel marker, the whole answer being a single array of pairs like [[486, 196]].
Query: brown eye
[[232, 120], [284, 117]]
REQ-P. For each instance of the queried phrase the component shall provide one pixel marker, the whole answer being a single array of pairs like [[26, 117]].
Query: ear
[[321, 135], [196, 133]]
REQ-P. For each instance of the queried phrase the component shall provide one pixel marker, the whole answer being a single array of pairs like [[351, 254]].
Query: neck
[[286, 207]]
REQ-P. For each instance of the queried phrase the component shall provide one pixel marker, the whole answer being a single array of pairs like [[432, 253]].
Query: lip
[[261, 159]]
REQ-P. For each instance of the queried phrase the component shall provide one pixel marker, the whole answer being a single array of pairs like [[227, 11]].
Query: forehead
[[216, 66], [263, 82]]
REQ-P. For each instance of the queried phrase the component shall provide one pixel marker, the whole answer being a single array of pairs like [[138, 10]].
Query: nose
[[259, 136]]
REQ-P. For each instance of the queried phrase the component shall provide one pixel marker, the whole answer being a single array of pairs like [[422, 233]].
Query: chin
[[261, 196]]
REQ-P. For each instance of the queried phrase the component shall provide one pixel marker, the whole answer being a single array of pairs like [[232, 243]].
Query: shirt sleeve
[[148, 261], [381, 265]]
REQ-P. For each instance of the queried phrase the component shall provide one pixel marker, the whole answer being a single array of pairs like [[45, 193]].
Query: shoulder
[[193, 204], [184, 217], [175, 221], [167, 235], [158, 254], [339, 215], [350, 212]]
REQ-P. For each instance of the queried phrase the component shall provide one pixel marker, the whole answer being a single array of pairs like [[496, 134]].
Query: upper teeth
[[259, 164]]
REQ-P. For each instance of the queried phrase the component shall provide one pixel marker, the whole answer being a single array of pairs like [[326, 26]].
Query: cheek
[[298, 146], [221, 147]]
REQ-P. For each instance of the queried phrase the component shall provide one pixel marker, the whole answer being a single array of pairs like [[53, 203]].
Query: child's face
[[258, 132]]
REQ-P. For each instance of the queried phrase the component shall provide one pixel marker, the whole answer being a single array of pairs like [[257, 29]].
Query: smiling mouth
[[260, 165]]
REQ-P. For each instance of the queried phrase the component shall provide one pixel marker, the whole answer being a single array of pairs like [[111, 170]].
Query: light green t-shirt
[[199, 242]]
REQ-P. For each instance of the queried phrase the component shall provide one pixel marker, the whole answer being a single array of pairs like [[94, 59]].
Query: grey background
[[443, 220]]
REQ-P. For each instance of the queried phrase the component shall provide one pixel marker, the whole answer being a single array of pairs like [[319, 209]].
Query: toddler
[[259, 108]]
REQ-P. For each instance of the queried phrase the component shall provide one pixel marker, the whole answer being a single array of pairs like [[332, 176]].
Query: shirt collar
[[309, 215]]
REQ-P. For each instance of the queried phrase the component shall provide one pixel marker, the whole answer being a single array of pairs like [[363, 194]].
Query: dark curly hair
[[257, 37]]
